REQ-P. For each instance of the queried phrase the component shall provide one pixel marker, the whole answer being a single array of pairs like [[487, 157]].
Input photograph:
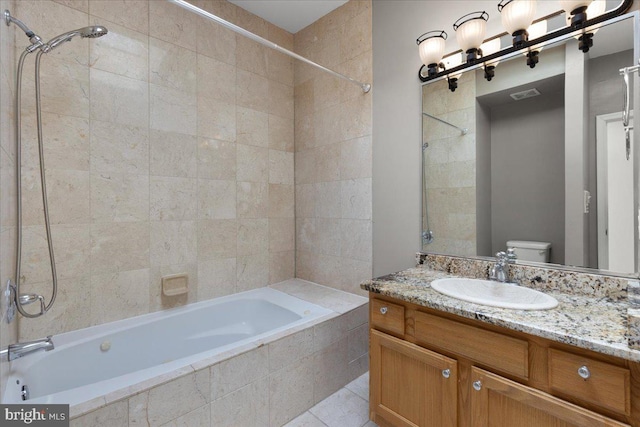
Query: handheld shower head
[[86, 32], [93, 32]]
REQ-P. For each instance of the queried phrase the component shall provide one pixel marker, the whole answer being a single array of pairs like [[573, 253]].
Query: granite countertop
[[597, 324]]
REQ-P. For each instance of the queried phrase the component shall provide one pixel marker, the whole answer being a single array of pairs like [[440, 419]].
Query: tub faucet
[[20, 349], [500, 270]]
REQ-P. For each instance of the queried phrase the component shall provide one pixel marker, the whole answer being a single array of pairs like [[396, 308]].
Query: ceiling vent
[[529, 93]]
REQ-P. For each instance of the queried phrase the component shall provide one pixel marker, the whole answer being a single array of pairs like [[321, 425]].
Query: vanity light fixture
[[577, 9], [596, 8], [431, 49], [470, 32], [517, 16], [452, 61], [536, 30], [528, 37], [489, 48]]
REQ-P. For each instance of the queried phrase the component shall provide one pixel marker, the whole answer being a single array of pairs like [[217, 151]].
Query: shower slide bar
[[366, 87], [463, 130]]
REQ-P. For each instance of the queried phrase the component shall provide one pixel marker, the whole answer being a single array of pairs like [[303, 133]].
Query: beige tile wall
[[450, 166], [334, 150], [170, 148], [8, 332]]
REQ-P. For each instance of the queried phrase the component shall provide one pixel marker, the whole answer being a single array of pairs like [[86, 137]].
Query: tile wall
[[334, 150], [450, 166], [8, 332], [170, 148]]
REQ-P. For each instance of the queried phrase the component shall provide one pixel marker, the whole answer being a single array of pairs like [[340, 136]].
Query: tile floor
[[347, 407]]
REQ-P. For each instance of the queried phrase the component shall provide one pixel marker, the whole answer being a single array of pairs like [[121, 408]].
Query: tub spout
[[18, 350]]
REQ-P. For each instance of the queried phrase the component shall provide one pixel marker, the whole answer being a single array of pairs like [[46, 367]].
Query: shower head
[[93, 32], [86, 32]]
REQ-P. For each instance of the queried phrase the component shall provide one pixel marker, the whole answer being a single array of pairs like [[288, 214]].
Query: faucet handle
[[511, 255], [501, 255]]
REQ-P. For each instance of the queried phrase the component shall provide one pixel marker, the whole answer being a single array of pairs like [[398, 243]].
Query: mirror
[[542, 159]]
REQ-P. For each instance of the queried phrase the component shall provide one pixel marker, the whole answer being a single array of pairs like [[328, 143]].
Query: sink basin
[[494, 294]]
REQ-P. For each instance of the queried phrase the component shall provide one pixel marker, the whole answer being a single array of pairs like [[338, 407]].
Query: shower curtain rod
[[366, 87], [463, 130]]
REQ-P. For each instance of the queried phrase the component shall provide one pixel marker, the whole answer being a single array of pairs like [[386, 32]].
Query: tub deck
[[285, 366]]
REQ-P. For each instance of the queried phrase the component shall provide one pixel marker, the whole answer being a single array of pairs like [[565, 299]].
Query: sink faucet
[[18, 350], [500, 270]]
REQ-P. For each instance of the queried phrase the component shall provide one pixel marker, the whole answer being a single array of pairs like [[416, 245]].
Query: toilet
[[527, 250]]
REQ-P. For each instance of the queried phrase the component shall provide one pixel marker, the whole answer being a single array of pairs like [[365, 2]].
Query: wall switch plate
[[587, 201]]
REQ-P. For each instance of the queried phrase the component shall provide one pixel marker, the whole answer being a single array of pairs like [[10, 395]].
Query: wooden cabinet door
[[498, 402], [411, 386]]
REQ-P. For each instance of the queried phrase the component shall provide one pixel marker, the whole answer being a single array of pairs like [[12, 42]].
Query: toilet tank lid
[[528, 244]]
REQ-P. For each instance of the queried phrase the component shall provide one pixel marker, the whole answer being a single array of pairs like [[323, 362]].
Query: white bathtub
[[140, 348]]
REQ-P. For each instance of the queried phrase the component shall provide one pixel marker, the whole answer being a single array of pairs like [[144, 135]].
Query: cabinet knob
[[477, 385], [584, 372], [446, 373], [383, 310]]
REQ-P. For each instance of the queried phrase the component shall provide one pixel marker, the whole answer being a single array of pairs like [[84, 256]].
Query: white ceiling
[[291, 15]]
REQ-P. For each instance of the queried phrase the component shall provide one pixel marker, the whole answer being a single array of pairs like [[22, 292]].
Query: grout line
[[323, 423]]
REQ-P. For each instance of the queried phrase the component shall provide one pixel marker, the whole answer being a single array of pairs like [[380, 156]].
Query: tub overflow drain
[[105, 346]]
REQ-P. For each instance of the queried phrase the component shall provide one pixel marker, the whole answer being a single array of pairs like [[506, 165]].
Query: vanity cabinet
[[499, 402], [414, 387], [430, 368]]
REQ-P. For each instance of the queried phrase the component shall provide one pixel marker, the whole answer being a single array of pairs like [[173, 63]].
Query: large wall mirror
[[537, 155]]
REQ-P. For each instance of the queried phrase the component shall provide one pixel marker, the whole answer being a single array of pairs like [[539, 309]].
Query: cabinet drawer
[[505, 354], [590, 380], [387, 316]]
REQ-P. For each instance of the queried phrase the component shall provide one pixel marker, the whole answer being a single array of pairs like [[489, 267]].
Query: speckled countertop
[[598, 324]]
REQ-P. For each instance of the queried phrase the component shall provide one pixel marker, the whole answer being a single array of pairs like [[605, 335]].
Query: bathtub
[[96, 361]]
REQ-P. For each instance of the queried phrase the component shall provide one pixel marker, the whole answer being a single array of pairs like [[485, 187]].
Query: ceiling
[[291, 15]]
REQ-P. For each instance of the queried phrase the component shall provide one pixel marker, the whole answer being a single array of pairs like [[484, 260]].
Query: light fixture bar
[[366, 87], [620, 10], [463, 130]]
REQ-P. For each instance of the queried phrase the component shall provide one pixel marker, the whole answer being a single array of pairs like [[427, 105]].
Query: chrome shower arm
[[8, 19], [35, 40]]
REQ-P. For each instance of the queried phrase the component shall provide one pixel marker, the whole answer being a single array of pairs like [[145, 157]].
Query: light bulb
[[431, 49], [517, 15], [470, 32]]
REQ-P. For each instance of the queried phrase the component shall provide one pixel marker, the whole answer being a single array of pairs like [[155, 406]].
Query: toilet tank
[[527, 250]]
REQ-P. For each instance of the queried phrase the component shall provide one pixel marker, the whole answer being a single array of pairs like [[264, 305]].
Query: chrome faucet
[[20, 349], [500, 270]]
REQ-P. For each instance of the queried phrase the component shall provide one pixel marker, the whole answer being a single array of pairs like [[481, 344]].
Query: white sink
[[494, 294]]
